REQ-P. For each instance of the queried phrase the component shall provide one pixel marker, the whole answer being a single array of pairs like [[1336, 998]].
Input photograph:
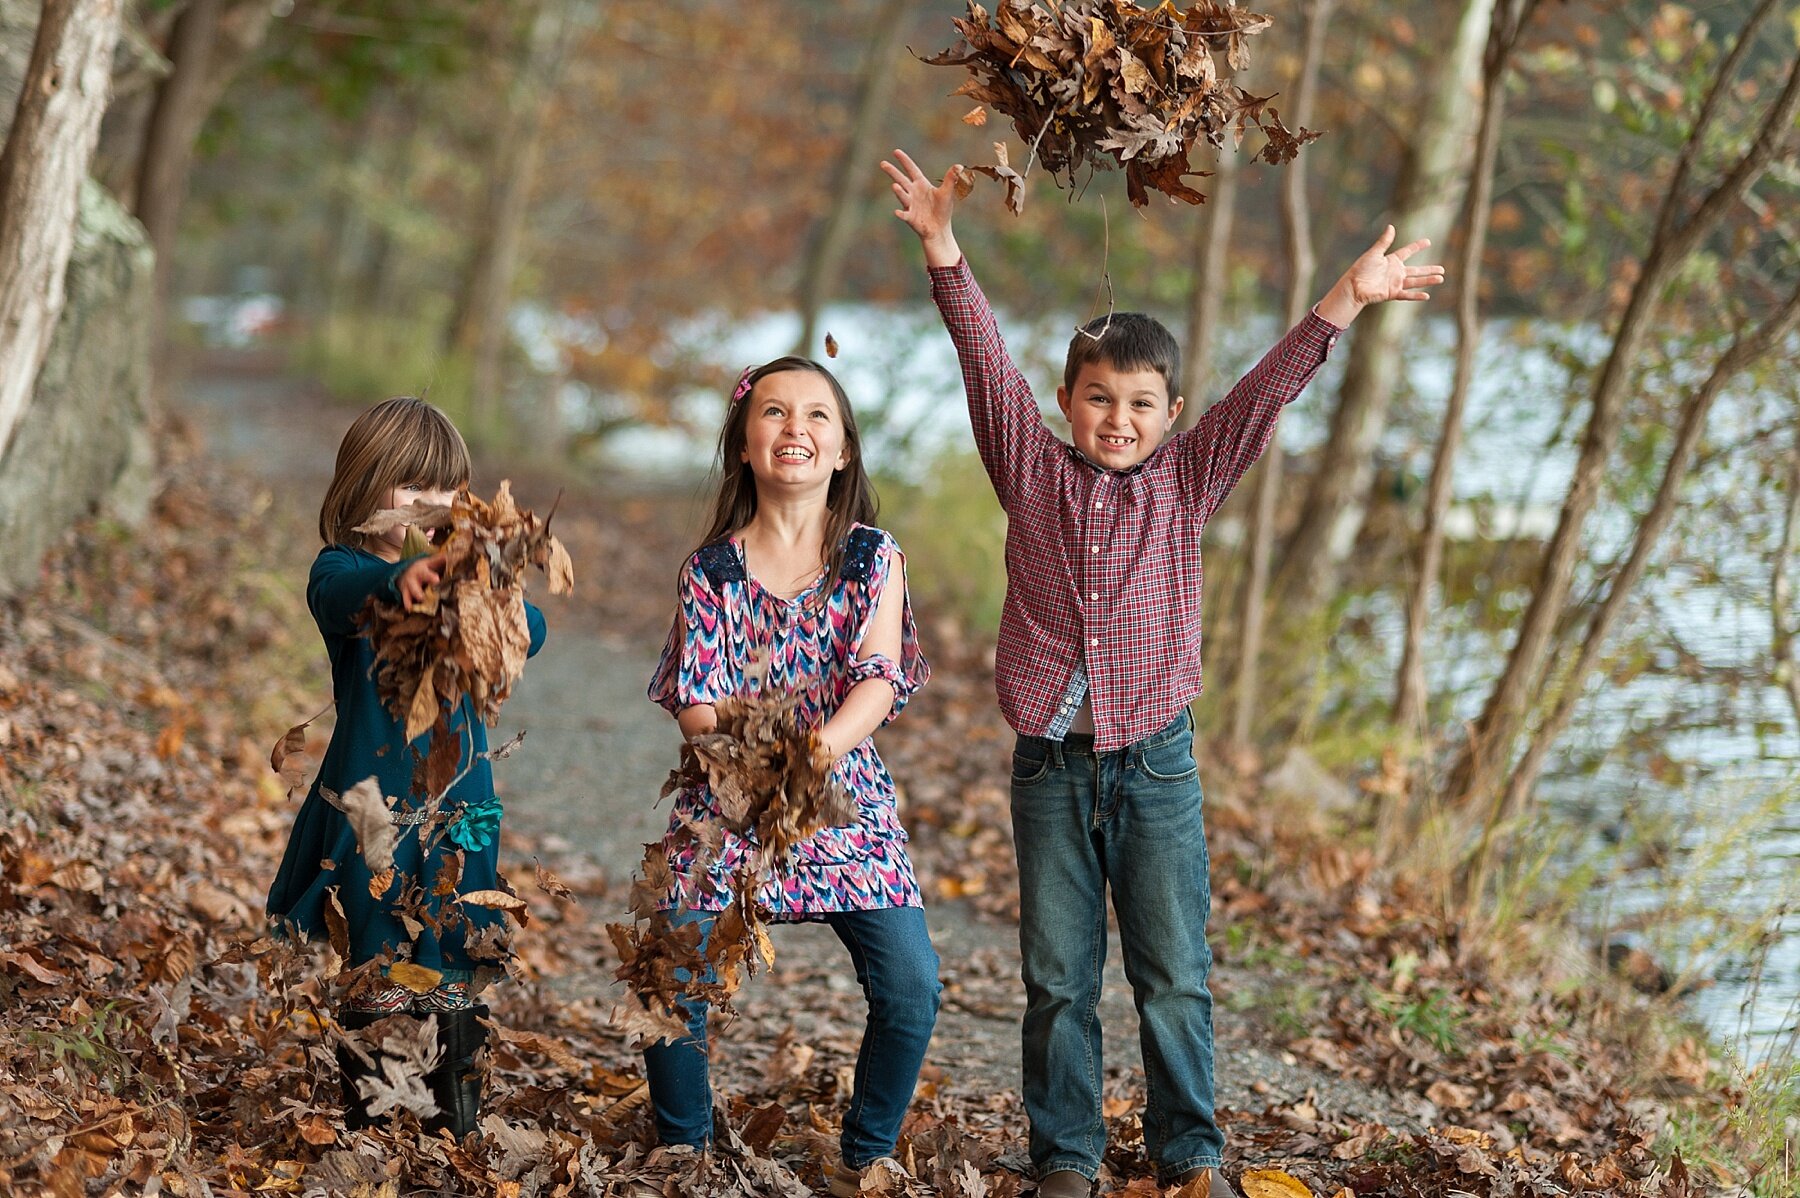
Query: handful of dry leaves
[[771, 782], [1099, 82], [469, 635]]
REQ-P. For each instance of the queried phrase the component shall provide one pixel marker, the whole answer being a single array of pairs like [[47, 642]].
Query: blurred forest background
[[1521, 569]]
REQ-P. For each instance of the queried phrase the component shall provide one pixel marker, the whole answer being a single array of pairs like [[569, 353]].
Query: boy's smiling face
[[1117, 417]]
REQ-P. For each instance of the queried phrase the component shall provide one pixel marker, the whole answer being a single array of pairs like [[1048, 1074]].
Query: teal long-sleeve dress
[[368, 741]]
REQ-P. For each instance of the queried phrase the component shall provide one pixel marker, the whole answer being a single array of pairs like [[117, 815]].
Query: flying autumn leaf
[[290, 759], [416, 978], [371, 819], [1106, 84], [830, 346]]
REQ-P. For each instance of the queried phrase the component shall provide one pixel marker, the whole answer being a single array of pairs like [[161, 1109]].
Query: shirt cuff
[[1318, 332], [946, 279], [1313, 315]]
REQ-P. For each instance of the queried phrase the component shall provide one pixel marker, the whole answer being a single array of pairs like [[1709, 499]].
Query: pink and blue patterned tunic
[[812, 642]]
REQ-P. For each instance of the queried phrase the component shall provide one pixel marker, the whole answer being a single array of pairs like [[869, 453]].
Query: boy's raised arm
[[1009, 428], [1229, 437]]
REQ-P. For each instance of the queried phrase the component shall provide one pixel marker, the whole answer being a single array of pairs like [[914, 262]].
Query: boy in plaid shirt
[[1098, 659]]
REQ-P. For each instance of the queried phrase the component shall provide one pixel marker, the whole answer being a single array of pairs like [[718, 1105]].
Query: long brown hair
[[850, 498], [398, 441]]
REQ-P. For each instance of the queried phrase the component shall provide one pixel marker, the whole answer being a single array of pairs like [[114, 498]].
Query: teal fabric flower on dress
[[477, 824]]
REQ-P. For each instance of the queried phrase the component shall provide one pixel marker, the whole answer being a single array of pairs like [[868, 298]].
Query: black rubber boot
[[351, 1068], [456, 1084]]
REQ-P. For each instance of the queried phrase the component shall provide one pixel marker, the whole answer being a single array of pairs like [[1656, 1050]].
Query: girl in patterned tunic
[[792, 573]]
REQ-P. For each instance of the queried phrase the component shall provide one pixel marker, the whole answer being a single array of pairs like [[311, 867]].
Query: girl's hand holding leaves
[[417, 579]]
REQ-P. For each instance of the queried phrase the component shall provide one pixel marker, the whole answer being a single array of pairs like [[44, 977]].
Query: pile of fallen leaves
[[770, 782], [468, 635], [1102, 82]]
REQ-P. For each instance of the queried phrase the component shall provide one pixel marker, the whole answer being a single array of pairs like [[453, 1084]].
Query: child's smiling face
[[794, 433], [1117, 417]]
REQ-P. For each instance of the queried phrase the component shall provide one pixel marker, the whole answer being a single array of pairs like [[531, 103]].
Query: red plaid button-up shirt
[[1102, 566]]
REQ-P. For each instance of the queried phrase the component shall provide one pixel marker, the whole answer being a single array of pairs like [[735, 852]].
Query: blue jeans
[[1131, 818], [898, 971]]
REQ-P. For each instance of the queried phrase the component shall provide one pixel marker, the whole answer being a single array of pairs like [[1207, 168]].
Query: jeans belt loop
[[1056, 754]]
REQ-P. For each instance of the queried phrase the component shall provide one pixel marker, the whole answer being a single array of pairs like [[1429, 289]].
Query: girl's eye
[[771, 410]]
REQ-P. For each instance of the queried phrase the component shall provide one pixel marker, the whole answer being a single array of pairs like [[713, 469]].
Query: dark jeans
[[1130, 818], [898, 971]]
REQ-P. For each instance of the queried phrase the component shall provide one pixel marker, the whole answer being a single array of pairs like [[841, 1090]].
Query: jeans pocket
[[1169, 762], [1029, 768]]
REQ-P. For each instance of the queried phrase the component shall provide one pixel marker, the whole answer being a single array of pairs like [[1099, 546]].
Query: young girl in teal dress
[[791, 574], [399, 451]]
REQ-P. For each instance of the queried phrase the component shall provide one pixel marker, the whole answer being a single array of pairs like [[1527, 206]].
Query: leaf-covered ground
[[152, 1042]]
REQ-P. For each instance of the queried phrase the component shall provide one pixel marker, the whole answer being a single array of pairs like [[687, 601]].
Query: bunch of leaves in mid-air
[[1105, 82], [771, 782], [468, 636]]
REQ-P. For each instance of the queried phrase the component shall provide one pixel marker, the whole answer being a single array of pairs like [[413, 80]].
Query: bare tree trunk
[[825, 256], [1426, 198], [54, 128], [1483, 757], [209, 44], [518, 141], [138, 68], [1296, 225], [1509, 20], [1781, 591], [1743, 352], [1206, 294]]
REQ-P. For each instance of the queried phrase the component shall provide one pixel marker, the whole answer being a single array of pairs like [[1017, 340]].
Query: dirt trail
[[594, 761]]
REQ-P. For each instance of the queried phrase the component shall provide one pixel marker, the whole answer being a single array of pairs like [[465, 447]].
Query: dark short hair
[[1130, 341]]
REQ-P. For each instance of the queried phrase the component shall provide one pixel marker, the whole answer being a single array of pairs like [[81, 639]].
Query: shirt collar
[[1128, 472]]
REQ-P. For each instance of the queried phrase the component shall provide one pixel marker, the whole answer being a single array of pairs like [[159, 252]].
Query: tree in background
[[48, 147], [852, 181], [1507, 26], [1684, 223], [1425, 198], [1297, 236], [485, 298]]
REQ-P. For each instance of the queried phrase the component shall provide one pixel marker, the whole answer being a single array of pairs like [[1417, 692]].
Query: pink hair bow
[[743, 386]]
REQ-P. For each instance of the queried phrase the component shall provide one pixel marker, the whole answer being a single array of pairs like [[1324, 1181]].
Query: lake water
[[1680, 779]]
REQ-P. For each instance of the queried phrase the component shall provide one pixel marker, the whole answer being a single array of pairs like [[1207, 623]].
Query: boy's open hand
[[926, 208], [1378, 276], [420, 577]]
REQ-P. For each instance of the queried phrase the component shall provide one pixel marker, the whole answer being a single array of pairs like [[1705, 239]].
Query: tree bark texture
[[1426, 197], [45, 160], [1482, 760], [831, 240], [1296, 227]]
